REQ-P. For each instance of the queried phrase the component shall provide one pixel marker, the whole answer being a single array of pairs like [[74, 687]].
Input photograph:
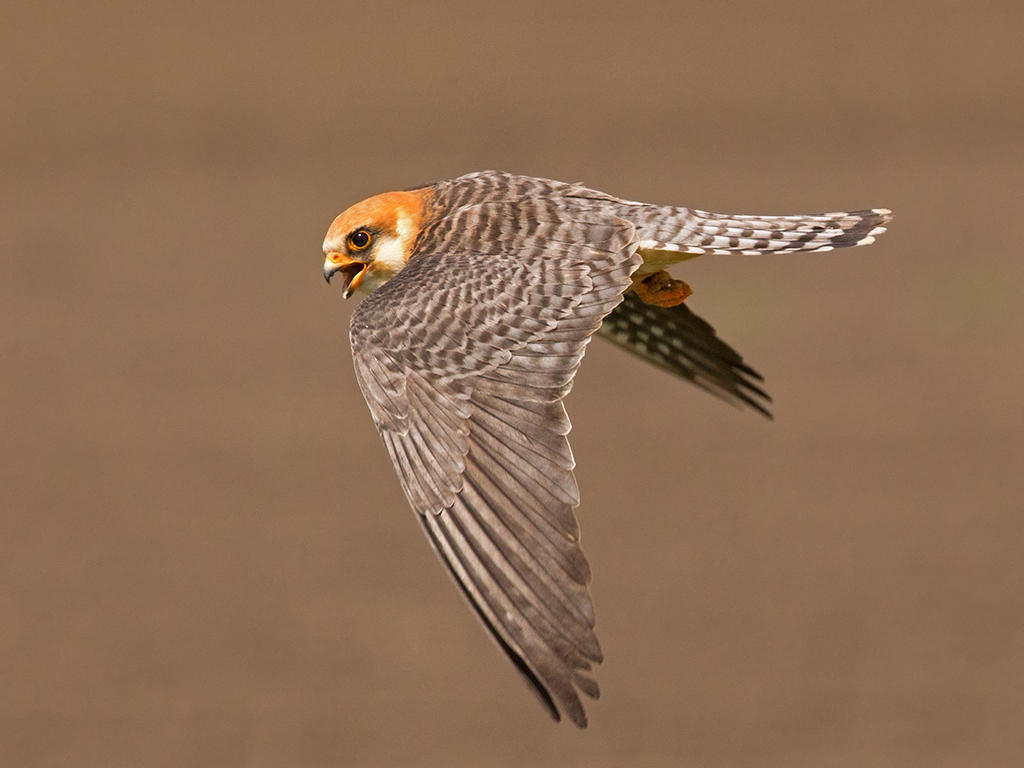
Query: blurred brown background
[[205, 556]]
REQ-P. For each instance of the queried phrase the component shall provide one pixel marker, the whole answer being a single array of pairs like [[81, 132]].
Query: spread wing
[[677, 340], [464, 359]]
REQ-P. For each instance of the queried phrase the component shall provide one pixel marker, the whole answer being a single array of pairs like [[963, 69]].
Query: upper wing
[[677, 340], [464, 358]]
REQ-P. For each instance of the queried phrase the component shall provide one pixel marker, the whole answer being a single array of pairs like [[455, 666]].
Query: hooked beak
[[352, 271]]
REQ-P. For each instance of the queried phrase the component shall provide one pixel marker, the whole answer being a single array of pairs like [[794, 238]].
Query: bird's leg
[[662, 290]]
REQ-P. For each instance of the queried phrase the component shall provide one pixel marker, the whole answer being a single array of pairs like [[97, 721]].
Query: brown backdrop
[[205, 557]]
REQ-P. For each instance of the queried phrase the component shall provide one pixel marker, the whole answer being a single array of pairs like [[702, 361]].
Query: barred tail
[[688, 232]]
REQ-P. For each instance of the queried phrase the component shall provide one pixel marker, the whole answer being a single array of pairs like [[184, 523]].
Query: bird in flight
[[483, 293]]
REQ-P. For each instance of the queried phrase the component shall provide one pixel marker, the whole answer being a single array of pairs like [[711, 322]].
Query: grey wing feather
[[680, 342], [464, 358]]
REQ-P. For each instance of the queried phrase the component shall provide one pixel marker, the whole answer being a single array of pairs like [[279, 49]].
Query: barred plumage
[[678, 341], [484, 293], [679, 230], [694, 232]]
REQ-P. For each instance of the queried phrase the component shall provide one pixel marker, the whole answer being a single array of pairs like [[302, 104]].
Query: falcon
[[483, 293]]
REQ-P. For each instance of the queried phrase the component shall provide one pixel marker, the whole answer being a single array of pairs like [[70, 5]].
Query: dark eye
[[359, 239]]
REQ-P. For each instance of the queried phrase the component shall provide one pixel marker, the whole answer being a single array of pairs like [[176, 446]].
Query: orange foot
[[662, 290]]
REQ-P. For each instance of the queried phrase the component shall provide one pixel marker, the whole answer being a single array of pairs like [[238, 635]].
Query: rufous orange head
[[371, 241]]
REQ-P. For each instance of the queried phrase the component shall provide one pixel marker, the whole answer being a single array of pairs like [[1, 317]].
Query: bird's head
[[371, 241]]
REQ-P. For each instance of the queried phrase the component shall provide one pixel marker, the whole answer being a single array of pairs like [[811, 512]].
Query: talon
[[662, 290]]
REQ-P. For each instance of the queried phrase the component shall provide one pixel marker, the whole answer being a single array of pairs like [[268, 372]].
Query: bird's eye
[[358, 240]]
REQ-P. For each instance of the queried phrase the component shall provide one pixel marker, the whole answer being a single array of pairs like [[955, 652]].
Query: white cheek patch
[[388, 260], [389, 256], [406, 230]]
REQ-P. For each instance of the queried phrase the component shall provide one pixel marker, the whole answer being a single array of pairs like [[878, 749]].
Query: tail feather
[[690, 232]]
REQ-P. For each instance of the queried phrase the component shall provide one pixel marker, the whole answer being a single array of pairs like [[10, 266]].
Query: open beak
[[352, 271]]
